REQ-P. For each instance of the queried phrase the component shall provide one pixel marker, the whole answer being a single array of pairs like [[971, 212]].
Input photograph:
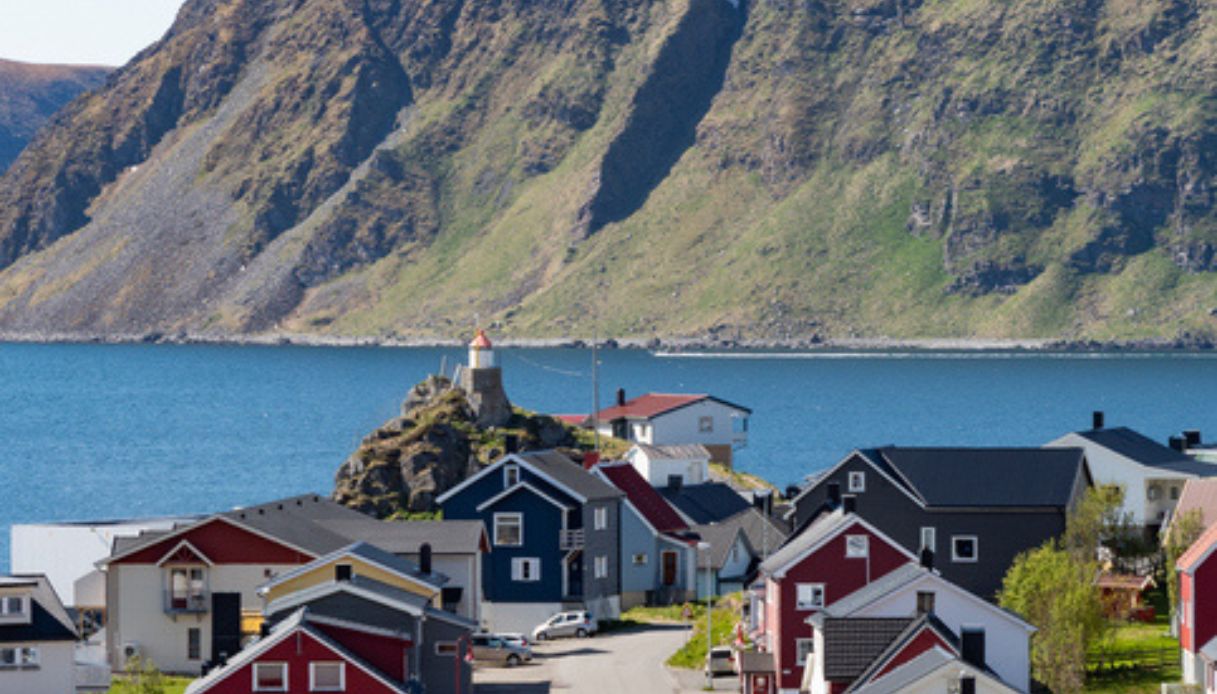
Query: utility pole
[[705, 546], [595, 387]]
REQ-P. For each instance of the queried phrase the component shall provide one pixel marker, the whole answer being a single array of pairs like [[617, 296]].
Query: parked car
[[578, 624], [515, 639], [494, 649], [721, 660]]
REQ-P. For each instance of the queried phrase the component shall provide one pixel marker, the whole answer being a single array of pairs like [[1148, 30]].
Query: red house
[[831, 559], [1198, 611]]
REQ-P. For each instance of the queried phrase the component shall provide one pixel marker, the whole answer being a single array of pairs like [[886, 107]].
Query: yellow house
[[359, 560]]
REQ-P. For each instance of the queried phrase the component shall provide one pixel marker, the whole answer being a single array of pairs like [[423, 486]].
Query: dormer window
[[13, 606], [511, 475]]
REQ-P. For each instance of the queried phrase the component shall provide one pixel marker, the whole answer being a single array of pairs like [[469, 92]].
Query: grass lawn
[[170, 685], [1138, 657], [692, 655]]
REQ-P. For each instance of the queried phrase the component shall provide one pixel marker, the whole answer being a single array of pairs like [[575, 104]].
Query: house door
[[225, 625], [668, 572], [574, 575]]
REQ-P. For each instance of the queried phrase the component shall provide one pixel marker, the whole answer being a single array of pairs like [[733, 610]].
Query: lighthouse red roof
[[480, 340]]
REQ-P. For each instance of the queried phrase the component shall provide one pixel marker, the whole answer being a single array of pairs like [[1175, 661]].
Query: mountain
[[768, 170], [30, 94]]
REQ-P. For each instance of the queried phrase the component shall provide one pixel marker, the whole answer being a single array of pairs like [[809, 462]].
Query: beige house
[[37, 638]]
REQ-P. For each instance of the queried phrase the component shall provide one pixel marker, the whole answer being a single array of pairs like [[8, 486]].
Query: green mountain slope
[[30, 94], [773, 170]]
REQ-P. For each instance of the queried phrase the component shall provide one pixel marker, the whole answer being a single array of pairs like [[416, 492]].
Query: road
[[629, 661]]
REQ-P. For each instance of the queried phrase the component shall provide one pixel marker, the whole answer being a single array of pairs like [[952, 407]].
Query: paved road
[[629, 662]]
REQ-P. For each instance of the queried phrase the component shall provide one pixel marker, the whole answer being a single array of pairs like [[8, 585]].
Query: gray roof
[[884, 657], [852, 645], [705, 503], [902, 677], [901, 576], [824, 527], [751, 522], [764, 533], [1147, 451], [721, 537], [392, 561], [984, 477], [753, 661], [570, 474], [406, 537]]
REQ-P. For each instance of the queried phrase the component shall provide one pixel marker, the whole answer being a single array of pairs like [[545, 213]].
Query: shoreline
[[666, 347]]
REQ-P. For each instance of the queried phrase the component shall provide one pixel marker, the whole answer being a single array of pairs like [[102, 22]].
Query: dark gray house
[[975, 508]]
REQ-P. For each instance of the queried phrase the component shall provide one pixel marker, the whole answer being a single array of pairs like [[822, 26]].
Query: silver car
[[579, 624], [493, 649], [720, 661]]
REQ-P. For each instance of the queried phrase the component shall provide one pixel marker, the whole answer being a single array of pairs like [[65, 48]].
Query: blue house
[[554, 531]]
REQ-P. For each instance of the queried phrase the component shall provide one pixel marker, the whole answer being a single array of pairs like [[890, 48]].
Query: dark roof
[[396, 563], [406, 537], [49, 621], [851, 645], [705, 503], [1146, 451], [984, 477], [902, 640], [751, 522], [721, 538], [570, 474], [653, 507]]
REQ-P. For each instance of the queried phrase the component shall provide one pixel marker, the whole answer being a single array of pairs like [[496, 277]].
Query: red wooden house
[[831, 559], [1198, 611]]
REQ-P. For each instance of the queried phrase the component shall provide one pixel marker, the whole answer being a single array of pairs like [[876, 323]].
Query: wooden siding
[[222, 543], [324, 573]]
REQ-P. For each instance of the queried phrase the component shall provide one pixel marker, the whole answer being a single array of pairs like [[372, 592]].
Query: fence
[[1140, 659]]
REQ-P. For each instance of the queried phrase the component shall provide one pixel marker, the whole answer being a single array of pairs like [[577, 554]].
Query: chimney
[[1097, 420], [342, 572], [620, 397], [967, 685], [675, 482], [1191, 437], [849, 503], [424, 558], [834, 494], [511, 443], [927, 558], [264, 629], [1176, 443], [974, 647], [591, 459], [762, 500]]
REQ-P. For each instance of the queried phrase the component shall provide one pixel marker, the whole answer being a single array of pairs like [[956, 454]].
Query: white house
[[659, 464], [37, 638], [1151, 474], [664, 419]]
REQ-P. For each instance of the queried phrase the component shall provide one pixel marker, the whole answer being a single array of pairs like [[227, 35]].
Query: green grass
[[1124, 653], [172, 685]]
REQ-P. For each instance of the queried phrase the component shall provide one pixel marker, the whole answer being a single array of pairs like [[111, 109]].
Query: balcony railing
[[192, 602], [570, 539]]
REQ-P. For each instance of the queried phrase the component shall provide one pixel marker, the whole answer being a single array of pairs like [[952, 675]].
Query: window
[[600, 518], [509, 529], [511, 475], [344, 572], [194, 644], [1174, 493], [601, 564], [803, 650], [29, 656], [270, 677], [1153, 493], [809, 596], [964, 548], [640, 559], [527, 569], [447, 648], [925, 602], [327, 677], [857, 546], [12, 606], [187, 588], [705, 424], [929, 539], [11, 658], [857, 481]]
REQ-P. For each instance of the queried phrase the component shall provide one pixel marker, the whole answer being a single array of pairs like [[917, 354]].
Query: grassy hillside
[[30, 94]]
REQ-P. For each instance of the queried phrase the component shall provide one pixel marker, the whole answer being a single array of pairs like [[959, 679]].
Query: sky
[[93, 32]]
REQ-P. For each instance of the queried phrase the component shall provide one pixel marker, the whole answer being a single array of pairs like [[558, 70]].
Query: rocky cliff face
[[695, 167], [30, 94]]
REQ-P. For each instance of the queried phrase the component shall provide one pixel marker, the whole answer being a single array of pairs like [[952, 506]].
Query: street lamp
[[705, 546]]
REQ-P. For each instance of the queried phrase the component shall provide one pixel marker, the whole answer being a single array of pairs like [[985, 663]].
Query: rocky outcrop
[[31, 94]]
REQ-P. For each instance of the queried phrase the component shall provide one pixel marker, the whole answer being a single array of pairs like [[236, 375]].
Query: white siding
[[1109, 467], [657, 471], [55, 674], [682, 425]]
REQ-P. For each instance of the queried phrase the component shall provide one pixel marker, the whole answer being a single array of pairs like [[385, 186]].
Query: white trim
[[512, 490], [955, 558], [321, 590], [509, 468], [498, 463], [181, 531], [794, 503], [849, 482], [862, 551], [189, 546], [312, 676], [283, 668], [845, 527], [933, 547], [517, 569], [494, 527], [809, 656], [599, 518], [807, 607], [344, 553]]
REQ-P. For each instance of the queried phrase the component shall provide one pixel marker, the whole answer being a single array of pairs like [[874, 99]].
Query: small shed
[[1124, 596]]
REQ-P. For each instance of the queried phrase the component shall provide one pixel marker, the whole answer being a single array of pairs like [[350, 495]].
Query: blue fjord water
[[104, 431]]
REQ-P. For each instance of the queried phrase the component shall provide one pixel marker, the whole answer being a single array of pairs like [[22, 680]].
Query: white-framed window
[[446, 648], [803, 650], [1153, 492], [19, 657], [965, 549], [526, 569], [13, 606], [511, 475], [705, 424], [270, 677], [857, 546], [925, 602], [929, 538], [600, 518], [187, 588], [809, 596], [509, 529], [857, 482], [640, 559], [601, 567], [327, 677], [194, 643]]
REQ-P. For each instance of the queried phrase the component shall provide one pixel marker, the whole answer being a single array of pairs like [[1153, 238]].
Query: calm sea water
[[102, 431]]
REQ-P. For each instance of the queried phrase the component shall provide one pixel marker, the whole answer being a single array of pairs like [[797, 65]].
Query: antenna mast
[[595, 387]]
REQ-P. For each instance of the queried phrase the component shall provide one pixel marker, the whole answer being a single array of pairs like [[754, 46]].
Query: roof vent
[[849, 504], [1191, 437], [1097, 419], [927, 558], [342, 572], [834, 493], [620, 397], [424, 558], [511, 443], [675, 482], [974, 647], [1176, 443]]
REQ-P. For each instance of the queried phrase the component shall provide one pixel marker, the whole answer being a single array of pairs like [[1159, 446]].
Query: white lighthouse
[[481, 352], [483, 383]]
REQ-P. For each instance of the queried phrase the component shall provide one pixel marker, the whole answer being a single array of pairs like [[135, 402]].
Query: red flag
[[468, 652]]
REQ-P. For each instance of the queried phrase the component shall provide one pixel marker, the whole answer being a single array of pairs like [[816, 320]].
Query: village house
[[658, 556], [708, 502], [660, 465], [554, 532], [975, 508], [188, 596], [1197, 617], [1151, 474], [38, 641], [1199, 497], [664, 419], [738, 545]]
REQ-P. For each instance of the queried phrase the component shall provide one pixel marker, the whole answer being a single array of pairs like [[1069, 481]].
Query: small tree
[[143, 677], [1056, 593], [1184, 530]]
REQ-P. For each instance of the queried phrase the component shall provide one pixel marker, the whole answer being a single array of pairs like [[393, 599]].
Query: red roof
[[653, 507], [649, 405], [1191, 559], [480, 340], [577, 420]]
